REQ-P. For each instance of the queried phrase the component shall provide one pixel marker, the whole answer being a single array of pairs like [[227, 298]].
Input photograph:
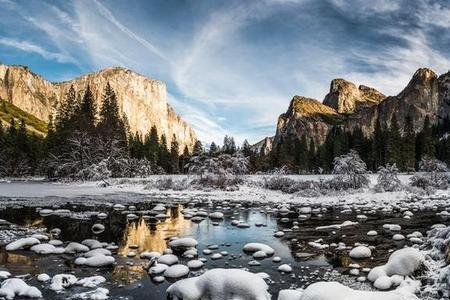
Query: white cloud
[[33, 48], [219, 71], [397, 64], [434, 14], [368, 7], [110, 17]]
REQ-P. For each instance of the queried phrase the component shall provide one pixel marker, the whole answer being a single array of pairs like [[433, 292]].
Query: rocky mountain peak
[[350, 107], [303, 106], [422, 92], [345, 97]]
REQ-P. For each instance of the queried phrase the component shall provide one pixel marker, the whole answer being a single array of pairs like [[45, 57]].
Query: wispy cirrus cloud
[[29, 47], [232, 67]]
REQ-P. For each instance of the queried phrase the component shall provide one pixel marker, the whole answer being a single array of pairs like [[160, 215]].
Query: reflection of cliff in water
[[152, 237], [13, 258]]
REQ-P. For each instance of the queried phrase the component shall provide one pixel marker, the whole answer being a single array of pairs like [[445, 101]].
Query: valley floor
[[423, 218]]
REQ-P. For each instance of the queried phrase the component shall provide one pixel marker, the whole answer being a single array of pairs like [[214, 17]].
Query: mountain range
[[350, 106], [141, 99]]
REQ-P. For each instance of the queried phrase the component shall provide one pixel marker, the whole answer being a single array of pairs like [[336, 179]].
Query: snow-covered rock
[[360, 252], [96, 261], [47, 249], [168, 259], [97, 294], [17, 287], [290, 295], [220, 284], [62, 281], [92, 281], [158, 269], [216, 215], [285, 268], [402, 262], [176, 271], [337, 291], [256, 247], [22, 243], [183, 243], [74, 247], [195, 264]]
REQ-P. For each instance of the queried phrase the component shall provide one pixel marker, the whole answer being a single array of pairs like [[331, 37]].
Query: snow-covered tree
[[351, 171], [387, 180], [220, 171], [433, 174]]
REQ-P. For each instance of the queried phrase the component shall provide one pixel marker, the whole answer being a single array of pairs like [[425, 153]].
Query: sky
[[232, 66]]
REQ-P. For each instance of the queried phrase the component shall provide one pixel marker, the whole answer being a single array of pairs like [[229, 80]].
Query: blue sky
[[232, 66]]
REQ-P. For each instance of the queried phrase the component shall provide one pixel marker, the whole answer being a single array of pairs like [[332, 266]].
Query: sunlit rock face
[[143, 100], [306, 116], [346, 98], [351, 107]]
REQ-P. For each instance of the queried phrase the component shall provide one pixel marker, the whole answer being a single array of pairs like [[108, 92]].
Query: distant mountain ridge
[[143, 100], [350, 107]]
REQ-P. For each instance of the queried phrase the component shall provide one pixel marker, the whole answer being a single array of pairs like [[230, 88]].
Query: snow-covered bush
[[387, 180], [97, 171], [222, 171], [133, 167], [284, 170], [169, 183], [288, 185], [433, 174], [351, 172]]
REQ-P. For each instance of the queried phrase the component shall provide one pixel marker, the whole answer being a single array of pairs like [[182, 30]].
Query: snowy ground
[[130, 189], [361, 204]]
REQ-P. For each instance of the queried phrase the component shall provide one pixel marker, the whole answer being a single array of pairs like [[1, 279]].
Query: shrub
[[351, 172], [387, 180], [221, 172], [433, 174]]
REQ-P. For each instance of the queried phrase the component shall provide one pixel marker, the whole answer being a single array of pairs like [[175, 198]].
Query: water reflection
[[152, 237], [13, 258]]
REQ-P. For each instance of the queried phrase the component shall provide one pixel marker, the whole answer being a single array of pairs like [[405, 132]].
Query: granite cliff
[[350, 107], [143, 100]]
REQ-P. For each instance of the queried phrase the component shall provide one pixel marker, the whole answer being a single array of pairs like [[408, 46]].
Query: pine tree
[[229, 146], [66, 110], [408, 148], [246, 150], [163, 154], [174, 158], [327, 152], [393, 143], [184, 159], [378, 146], [22, 139], [213, 149], [425, 143], [86, 115], [151, 145], [111, 125], [198, 148]]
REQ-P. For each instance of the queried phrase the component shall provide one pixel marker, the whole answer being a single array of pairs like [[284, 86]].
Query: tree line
[[387, 145], [84, 141], [87, 142]]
